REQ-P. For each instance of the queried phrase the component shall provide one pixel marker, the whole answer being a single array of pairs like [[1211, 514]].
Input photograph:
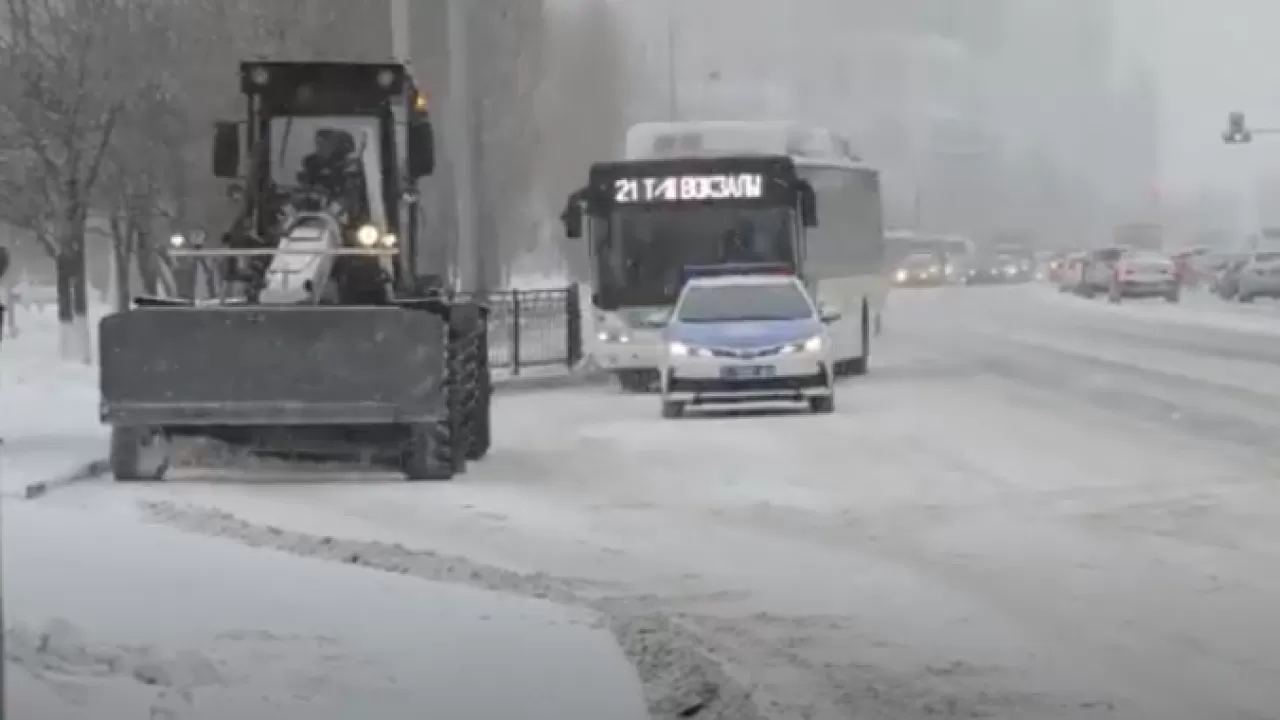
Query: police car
[[746, 334]]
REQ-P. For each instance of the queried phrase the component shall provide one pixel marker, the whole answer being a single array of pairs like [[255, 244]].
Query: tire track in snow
[[680, 676]]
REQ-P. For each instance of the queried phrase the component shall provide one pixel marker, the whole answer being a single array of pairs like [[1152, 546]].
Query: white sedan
[[747, 338]]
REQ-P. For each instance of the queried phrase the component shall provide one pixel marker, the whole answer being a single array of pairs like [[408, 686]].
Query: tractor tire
[[481, 435], [138, 454], [428, 453]]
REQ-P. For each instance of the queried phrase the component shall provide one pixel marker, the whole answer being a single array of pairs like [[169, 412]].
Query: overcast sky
[[1213, 56]]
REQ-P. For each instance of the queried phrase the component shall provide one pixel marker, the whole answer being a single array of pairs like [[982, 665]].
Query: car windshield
[[746, 302]]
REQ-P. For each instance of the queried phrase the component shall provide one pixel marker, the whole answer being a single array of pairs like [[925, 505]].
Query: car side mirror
[[226, 150], [829, 316], [421, 148]]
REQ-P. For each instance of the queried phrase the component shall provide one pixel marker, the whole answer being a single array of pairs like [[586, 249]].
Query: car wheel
[[672, 410]]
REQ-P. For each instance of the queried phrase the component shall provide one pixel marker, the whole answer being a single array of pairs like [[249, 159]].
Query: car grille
[[746, 353]]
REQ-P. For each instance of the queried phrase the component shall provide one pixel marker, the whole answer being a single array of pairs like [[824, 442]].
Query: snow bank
[[49, 422], [115, 618]]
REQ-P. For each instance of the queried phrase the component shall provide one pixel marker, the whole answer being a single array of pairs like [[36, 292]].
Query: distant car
[[1143, 275], [997, 270], [921, 270], [1259, 277], [747, 338], [1070, 272], [1099, 267], [1226, 282]]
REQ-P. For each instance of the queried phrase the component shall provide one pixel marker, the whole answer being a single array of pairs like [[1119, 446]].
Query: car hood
[[744, 334]]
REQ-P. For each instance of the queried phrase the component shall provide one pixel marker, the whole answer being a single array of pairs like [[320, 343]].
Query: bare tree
[[73, 69]]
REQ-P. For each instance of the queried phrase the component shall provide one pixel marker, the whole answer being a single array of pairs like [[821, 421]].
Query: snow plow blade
[[289, 365]]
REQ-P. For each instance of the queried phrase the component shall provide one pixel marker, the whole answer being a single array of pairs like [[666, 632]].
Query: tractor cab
[[333, 151]]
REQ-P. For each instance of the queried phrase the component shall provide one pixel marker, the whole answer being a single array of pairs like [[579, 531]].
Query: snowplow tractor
[[323, 340]]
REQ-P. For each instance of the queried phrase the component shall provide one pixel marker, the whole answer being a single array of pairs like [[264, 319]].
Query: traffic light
[[1236, 133]]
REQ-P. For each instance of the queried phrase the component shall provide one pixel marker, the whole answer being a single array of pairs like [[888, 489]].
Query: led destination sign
[[689, 188]]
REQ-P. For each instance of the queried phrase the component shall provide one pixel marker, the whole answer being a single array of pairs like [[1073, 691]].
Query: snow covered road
[[1035, 507]]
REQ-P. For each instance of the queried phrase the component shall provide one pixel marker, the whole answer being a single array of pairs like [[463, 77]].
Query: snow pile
[[113, 618], [680, 676], [50, 420]]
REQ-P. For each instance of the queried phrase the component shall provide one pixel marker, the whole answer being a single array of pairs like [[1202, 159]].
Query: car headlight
[[613, 336], [902, 274], [368, 235], [812, 345], [390, 240], [678, 349]]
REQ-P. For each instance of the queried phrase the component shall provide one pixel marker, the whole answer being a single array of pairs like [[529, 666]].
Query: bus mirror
[[808, 206], [226, 150], [421, 148], [572, 219]]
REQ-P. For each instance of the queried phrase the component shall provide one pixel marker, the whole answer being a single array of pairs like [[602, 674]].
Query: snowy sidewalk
[[111, 617], [48, 412]]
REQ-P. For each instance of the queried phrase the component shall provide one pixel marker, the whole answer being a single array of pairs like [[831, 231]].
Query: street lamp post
[[461, 132], [673, 82]]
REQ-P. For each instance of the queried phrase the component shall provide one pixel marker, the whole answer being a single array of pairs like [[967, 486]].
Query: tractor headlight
[[368, 236]]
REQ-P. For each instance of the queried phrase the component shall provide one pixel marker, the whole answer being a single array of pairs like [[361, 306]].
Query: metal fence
[[527, 328], [534, 328]]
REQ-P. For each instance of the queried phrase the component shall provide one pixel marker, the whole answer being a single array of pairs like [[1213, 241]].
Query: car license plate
[[746, 372]]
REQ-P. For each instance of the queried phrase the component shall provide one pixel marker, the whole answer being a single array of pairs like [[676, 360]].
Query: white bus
[[842, 258]]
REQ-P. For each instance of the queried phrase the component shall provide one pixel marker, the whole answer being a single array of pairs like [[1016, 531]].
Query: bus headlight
[[368, 236]]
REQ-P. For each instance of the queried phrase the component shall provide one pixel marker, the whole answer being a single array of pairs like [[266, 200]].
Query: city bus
[[728, 192]]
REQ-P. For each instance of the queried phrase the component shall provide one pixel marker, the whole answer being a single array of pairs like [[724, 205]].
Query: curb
[[88, 471], [518, 384]]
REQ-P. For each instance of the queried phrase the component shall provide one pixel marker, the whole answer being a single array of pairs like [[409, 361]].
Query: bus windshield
[[642, 253]]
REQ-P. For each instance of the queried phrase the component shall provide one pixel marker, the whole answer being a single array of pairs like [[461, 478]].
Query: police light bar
[[726, 269]]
